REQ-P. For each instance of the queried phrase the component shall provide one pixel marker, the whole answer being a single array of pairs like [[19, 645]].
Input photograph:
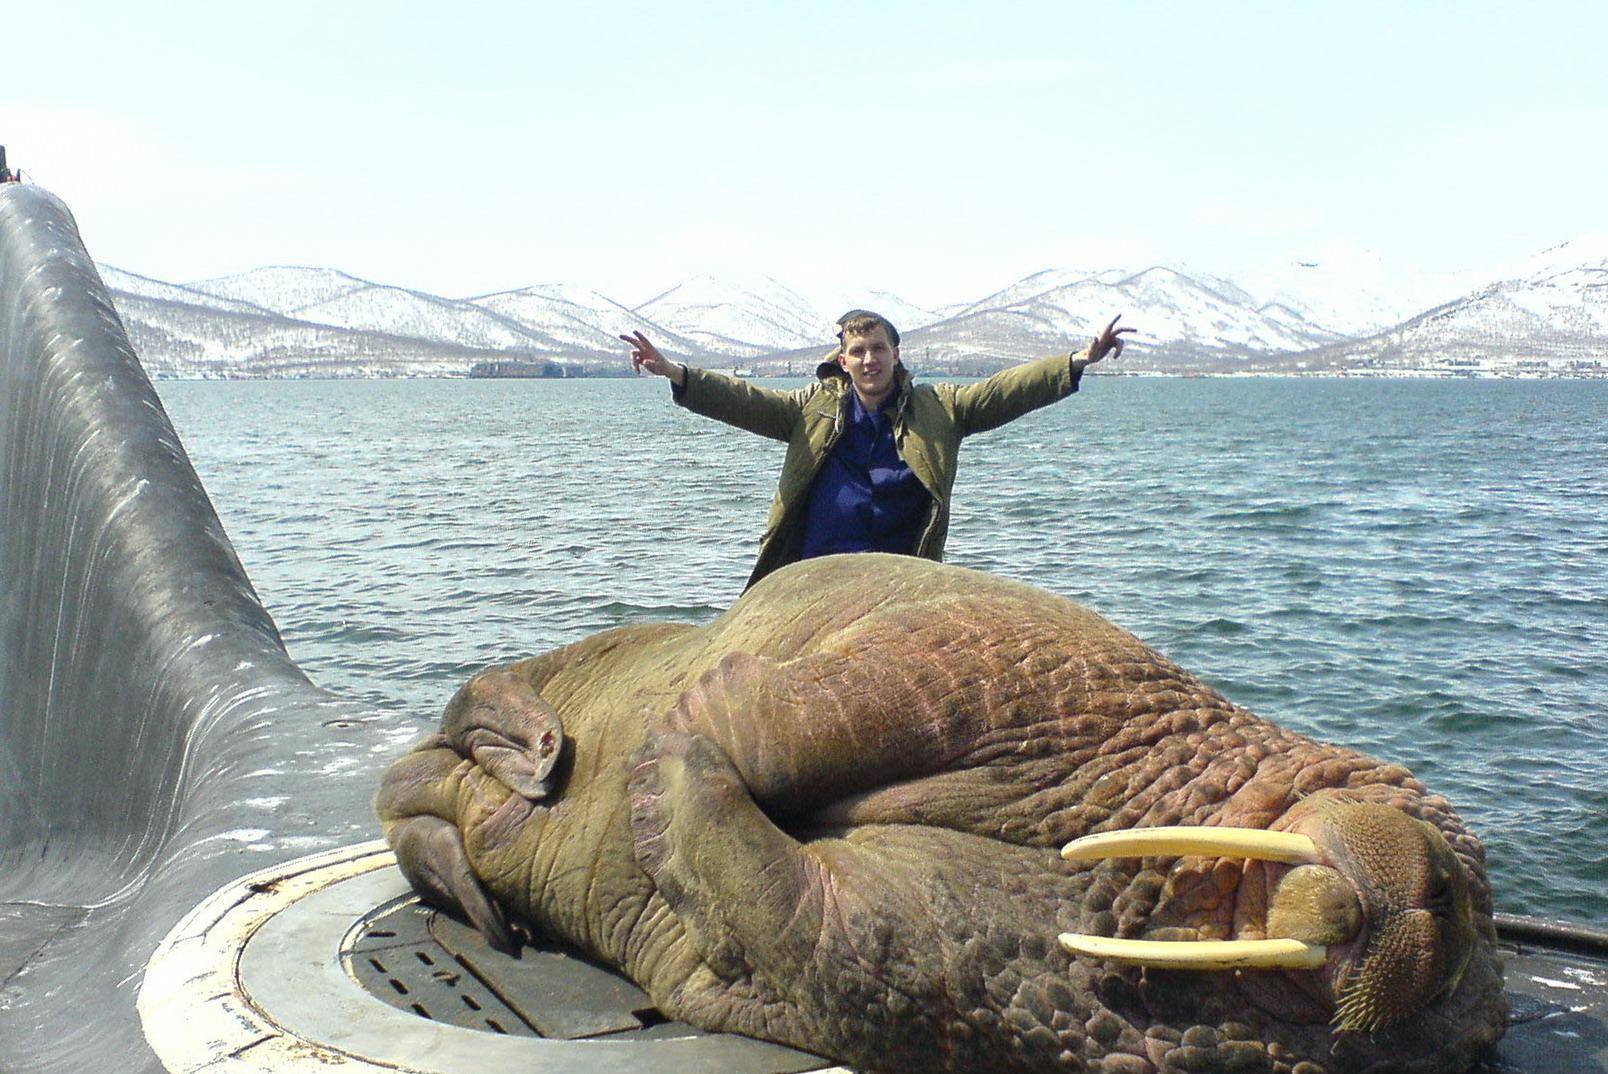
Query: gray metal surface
[[141, 681], [397, 959], [561, 995], [292, 970], [1557, 984], [420, 960]]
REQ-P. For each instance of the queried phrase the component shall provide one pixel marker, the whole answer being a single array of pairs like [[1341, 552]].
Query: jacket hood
[[829, 368]]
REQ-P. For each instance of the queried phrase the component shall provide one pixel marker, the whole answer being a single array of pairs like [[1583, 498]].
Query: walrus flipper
[[806, 732], [820, 940], [713, 854], [430, 853]]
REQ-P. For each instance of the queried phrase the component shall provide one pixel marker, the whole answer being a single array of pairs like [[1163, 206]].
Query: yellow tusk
[[1200, 954], [1258, 844]]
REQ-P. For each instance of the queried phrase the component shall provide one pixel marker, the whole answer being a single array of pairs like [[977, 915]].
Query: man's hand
[[1108, 344], [645, 355]]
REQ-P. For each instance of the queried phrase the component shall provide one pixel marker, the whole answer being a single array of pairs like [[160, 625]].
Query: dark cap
[[893, 333]]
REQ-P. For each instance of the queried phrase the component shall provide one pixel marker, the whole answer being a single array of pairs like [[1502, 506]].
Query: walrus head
[[1371, 901], [490, 768]]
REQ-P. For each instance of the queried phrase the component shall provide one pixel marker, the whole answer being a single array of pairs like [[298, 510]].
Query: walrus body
[[832, 818]]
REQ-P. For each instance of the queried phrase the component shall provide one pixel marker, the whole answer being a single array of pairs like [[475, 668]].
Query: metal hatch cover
[[421, 960], [332, 959]]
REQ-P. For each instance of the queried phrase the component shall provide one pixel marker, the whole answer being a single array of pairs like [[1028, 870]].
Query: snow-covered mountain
[[736, 319], [1549, 315], [1349, 294], [515, 325], [1566, 287], [580, 319], [282, 289], [1180, 320], [376, 308], [835, 302], [759, 316], [145, 287], [1041, 283], [186, 340]]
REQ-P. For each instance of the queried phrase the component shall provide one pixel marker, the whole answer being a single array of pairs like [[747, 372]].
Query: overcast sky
[[937, 150]]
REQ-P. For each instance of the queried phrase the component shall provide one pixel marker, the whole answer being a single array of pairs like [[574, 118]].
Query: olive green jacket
[[929, 422]]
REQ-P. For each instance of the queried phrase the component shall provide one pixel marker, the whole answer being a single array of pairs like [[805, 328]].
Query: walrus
[[916, 817]]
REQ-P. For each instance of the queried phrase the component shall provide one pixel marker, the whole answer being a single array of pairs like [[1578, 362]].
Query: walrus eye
[[1439, 900], [1447, 901], [1256, 844]]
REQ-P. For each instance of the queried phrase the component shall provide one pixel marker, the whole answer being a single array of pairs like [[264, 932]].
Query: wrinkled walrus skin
[[831, 818]]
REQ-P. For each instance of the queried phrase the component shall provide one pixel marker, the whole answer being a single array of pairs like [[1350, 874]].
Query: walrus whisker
[[1277, 954], [1256, 844]]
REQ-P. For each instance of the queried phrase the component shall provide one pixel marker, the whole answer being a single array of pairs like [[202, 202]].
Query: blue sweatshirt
[[865, 499]]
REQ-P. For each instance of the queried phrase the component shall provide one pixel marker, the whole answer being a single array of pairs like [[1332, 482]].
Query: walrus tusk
[[1281, 954], [1257, 844]]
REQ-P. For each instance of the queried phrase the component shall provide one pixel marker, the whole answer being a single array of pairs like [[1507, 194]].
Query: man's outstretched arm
[[758, 410], [1012, 392]]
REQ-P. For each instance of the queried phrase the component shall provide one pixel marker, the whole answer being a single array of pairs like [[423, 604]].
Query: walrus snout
[[482, 775], [1417, 929]]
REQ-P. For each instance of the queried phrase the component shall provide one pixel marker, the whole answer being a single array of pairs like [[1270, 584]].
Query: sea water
[[1418, 569]]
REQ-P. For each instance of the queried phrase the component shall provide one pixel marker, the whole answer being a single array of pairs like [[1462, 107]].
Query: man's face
[[869, 361]]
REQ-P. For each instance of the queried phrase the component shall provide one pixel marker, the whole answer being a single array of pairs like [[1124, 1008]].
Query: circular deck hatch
[[333, 959]]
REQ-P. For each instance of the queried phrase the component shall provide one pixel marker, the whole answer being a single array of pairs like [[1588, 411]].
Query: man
[[871, 455]]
